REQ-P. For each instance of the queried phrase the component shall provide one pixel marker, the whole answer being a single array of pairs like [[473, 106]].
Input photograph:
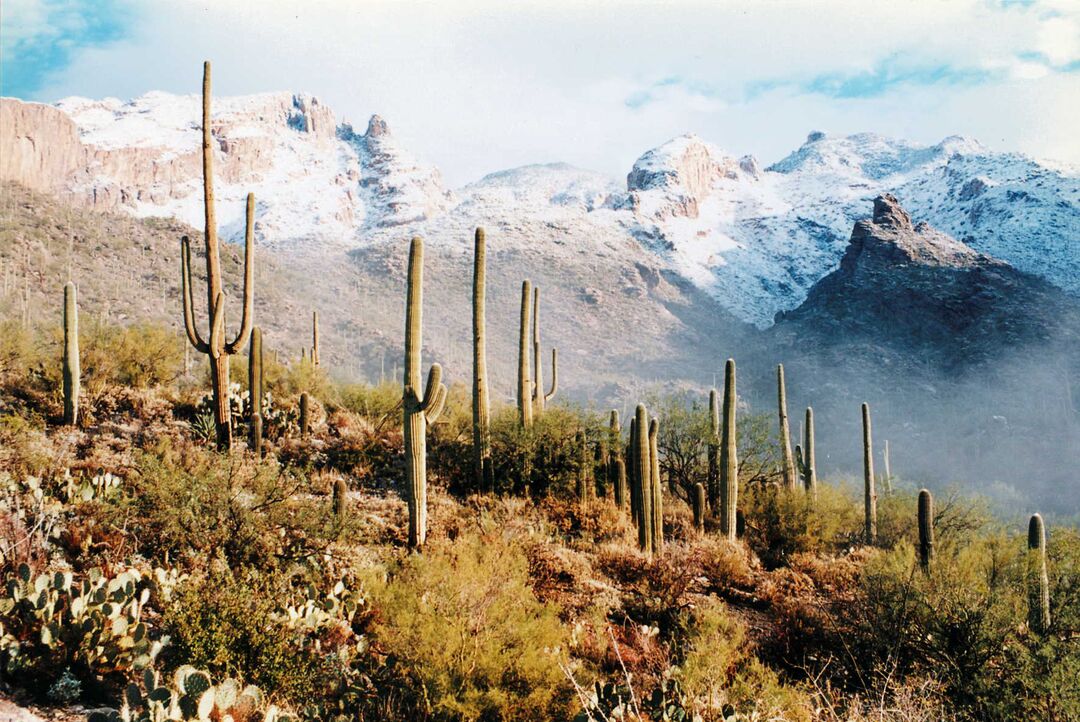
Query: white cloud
[[480, 86]]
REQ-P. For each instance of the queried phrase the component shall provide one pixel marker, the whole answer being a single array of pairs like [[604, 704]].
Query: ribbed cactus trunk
[[417, 410], [656, 489], [788, 470], [305, 414], [524, 380], [540, 399], [809, 462], [482, 466], [642, 476], [712, 478], [1038, 578], [699, 508], [926, 530], [869, 493], [315, 338], [631, 471], [215, 346], [71, 369], [729, 458], [620, 483], [341, 500], [255, 390]]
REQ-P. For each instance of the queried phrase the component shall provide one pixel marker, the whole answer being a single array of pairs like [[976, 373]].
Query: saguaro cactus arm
[[234, 346], [554, 375], [186, 292], [434, 395]]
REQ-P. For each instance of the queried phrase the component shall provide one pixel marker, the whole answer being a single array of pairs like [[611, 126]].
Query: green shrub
[[782, 522]]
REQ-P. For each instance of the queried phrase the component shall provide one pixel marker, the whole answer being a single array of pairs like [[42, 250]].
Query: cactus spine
[[215, 347], [525, 405], [642, 473], [926, 530], [869, 494], [699, 508], [314, 338], [305, 414], [713, 477], [255, 389], [72, 371], [809, 468], [789, 473], [540, 399], [656, 490], [482, 466], [1039, 580], [418, 411], [729, 458]]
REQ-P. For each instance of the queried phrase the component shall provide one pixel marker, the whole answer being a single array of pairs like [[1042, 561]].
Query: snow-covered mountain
[[754, 238]]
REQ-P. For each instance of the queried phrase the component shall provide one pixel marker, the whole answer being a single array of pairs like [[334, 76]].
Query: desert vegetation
[[222, 537]]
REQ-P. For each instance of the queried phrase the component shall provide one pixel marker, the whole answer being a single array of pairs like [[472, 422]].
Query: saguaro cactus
[[656, 489], [482, 467], [540, 399], [1038, 579], [616, 472], [926, 530], [418, 411], [255, 389], [809, 468], [314, 338], [305, 414], [585, 478], [887, 478], [525, 405], [788, 465], [72, 371], [729, 457], [642, 474], [869, 493], [713, 474], [215, 347], [699, 507], [341, 499], [620, 483]]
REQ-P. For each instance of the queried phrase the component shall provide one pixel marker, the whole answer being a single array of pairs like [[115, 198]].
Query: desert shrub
[[781, 522], [463, 620], [598, 521], [379, 404]]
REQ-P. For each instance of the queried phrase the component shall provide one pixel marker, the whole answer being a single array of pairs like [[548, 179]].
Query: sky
[[475, 87]]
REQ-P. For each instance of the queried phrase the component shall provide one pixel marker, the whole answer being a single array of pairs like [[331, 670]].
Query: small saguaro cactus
[[314, 338], [809, 469], [72, 370], [341, 499], [713, 475], [699, 508], [656, 489], [305, 414], [620, 483], [616, 475], [418, 411], [869, 494], [926, 530], [482, 466], [887, 478], [215, 346], [788, 465], [524, 380], [1038, 578], [255, 389], [729, 457], [584, 480], [540, 399], [642, 478]]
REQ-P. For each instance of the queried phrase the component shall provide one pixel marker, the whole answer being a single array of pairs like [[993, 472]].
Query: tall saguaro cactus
[[713, 475], [655, 488], [809, 468], [632, 469], [72, 370], [869, 493], [524, 380], [642, 476], [1038, 579], [255, 389], [418, 411], [926, 530], [540, 399], [314, 338], [215, 346], [482, 465], [789, 472], [729, 457]]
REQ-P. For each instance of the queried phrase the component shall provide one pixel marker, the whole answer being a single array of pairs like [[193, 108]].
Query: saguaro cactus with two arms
[[215, 346]]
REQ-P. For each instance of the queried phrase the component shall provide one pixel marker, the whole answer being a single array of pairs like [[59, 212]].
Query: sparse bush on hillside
[[780, 522]]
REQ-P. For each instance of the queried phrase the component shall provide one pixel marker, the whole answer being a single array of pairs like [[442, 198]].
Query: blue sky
[[479, 86]]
